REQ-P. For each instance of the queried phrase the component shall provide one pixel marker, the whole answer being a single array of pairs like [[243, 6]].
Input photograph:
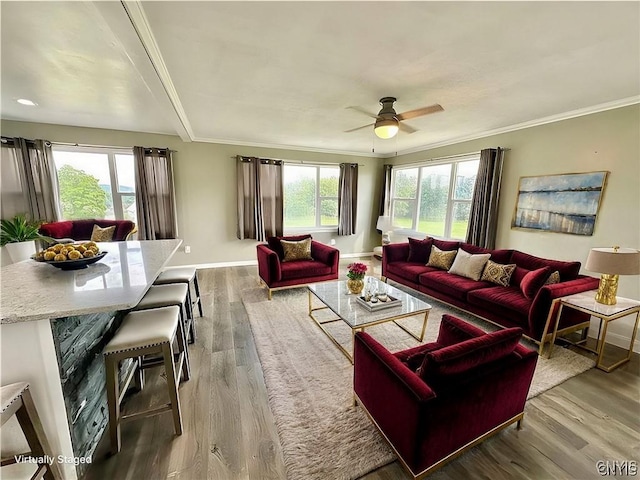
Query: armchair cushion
[[458, 358], [296, 250]]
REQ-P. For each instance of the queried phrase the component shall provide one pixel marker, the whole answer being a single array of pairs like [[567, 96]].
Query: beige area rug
[[310, 383]]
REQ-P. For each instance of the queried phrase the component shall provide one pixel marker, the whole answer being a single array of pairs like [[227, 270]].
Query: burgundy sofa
[[434, 401], [278, 275], [82, 229], [507, 306]]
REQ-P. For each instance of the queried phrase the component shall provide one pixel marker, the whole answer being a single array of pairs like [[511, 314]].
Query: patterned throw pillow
[[440, 259], [300, 250], [498, 273], [553, 278], [469, 266], [102, 234]]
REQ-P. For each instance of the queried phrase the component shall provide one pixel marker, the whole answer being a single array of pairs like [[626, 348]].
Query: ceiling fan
[[388, 121]]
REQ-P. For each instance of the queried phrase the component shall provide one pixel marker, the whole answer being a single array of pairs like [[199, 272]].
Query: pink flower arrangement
[[356, 270]]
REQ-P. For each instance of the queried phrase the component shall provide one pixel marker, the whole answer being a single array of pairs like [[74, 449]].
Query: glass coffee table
[[335, 297]]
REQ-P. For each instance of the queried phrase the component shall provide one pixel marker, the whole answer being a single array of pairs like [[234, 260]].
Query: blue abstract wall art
[[565, 203]]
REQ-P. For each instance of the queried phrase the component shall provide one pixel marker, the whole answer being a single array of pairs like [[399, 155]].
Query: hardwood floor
[[229, 431]]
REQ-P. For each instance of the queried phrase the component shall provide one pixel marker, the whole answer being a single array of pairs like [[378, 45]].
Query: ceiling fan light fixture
[[386, 128]]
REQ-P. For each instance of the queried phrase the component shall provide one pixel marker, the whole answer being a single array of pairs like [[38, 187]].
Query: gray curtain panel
[[155, 194], [29, 180], [384, 208], [483, 219], [260, 198], [347, 198]]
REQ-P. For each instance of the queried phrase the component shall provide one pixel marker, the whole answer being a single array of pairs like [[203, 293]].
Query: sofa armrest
[[394, 252], [268, 264], [543, 302], [325, 254], [380, 381]]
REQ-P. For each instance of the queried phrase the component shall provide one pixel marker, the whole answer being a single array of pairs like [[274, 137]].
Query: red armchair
[[435, 401], [278, 275]]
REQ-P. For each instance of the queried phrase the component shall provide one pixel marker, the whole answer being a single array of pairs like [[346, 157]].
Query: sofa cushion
[[407, 270], [57, 229], [419, 250], [567, 270], [463, 356], [452, 285], [468, 265], [304, 269], [445, 245], [298, 250], [553, 278], [499, 256], [498, 273], [533, 281], [441, 259], [276, 246], [100, 234], [504, 301]]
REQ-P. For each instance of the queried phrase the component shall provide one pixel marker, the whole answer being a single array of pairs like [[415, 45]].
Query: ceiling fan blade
[[418, 112], [406, 128], [363, 111], [359, 128]]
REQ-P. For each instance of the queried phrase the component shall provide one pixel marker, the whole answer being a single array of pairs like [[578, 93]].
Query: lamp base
[[607, 289]]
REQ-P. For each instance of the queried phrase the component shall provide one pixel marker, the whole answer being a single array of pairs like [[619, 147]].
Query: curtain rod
[[111, 147], [296, 161]]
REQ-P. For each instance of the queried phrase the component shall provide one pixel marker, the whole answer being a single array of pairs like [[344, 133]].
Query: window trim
[[415, 203]]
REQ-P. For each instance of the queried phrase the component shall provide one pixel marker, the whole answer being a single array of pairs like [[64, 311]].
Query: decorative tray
[[379, 305], [74, 264]]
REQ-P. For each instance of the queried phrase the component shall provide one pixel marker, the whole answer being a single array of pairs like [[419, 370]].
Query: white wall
[[205, 180], [603, 141]]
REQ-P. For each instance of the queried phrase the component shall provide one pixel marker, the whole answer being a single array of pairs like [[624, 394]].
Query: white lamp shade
[[384, 223], [614, 261], [386, 128]]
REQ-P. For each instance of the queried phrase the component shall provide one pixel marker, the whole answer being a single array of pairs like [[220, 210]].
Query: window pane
[[328, 212], [129, 208], [434, 197], [125, 173], [299, 196], [329, 181], [85, 185], [405, 183], [466, 179], [461, 212], [403, 211]]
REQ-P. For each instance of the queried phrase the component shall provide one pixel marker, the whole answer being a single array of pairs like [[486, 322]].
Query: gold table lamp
[[610, 263]]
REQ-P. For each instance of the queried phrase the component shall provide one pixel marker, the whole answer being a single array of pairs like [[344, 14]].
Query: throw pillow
[[419, 250], [276, 246], [469, 266], [553, 278], [533, 281], [300, 250], [498, 273], [102, 234], [440, 259]]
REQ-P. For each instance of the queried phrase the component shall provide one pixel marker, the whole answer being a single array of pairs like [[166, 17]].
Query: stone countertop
[[33, 290]]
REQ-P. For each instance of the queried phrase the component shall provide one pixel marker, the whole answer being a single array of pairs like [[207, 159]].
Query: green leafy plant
[[19, 229]]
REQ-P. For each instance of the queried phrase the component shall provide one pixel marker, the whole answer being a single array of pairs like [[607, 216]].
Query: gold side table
[[585, 302]]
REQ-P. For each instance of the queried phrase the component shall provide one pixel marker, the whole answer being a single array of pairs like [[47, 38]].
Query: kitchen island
[[54, 325]]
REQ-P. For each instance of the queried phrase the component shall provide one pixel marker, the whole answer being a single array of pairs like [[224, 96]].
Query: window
[[434, 199], [96, 183], [310, 196]]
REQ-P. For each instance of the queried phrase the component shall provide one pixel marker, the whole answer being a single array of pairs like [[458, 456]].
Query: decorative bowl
[[74, 264]]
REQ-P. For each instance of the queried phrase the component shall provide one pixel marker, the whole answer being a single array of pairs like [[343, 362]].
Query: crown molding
[[624, 102]]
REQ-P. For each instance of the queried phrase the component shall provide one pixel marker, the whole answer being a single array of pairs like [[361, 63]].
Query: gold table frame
[[606, 314], [355, 328]]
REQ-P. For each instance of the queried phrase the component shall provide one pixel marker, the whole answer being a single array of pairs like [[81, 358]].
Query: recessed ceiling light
[[26, 101]]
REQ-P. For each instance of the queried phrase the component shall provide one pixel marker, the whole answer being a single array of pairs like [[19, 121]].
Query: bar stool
[[159, 296], [186, 275], [147, 332], [16, 400]]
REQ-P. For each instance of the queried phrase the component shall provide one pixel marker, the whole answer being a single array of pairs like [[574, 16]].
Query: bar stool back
[[146, 332], [16, 400]]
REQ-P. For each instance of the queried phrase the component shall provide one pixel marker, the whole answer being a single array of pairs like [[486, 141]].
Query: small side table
[[585, 302]]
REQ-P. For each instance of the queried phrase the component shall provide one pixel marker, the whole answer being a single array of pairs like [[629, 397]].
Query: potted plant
[[18, 235]]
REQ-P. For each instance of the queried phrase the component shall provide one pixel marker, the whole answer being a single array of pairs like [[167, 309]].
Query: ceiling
[[283, 74]]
